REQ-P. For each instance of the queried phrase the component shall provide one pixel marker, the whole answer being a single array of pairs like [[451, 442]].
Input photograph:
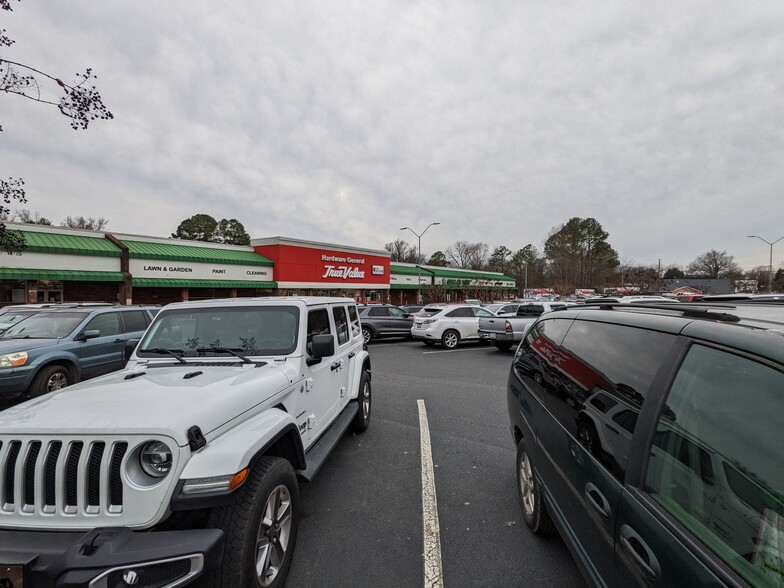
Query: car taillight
[[508, 327], [429, 321]]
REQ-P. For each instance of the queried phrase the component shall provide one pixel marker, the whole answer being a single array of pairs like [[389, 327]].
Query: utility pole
[[419, 257]]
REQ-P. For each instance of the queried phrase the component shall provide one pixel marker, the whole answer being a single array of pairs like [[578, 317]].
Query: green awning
[[405, 270], [470, 275], [69, 244], [13, 273], [406, 286], [176, 252], [164, 283]]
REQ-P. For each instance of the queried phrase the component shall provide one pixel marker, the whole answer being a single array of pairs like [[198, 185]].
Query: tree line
[[577, 254]]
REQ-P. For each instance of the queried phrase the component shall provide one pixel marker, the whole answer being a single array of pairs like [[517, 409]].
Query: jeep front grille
[[61, 477]]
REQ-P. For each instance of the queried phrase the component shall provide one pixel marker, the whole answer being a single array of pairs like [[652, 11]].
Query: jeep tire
[[362, 418], [49, 379], [530, 493], [260, 527]]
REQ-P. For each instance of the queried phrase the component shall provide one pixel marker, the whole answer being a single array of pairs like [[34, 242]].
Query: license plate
[[11, 576], [418, 326]]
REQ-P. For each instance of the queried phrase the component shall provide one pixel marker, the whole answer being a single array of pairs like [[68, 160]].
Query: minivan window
[[107, 323], [134, 320], [714, 464]]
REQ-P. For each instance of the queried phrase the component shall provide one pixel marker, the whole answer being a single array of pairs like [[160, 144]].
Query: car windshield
[[45, 325], [494, 307], [207, 332], [9, 319]]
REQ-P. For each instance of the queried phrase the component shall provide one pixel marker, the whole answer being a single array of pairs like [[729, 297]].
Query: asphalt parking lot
[[362, 518]]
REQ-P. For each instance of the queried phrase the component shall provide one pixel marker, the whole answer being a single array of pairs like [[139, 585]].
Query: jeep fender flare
[[360, 363], [273, 430]]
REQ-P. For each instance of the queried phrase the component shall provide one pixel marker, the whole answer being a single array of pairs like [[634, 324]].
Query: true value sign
[[343, 268], [179, 270]]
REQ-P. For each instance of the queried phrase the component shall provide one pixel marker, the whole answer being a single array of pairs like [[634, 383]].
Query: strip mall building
[[62, 265]]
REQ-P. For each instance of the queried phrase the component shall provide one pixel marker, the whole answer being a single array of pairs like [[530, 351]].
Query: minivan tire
[[530, 494]]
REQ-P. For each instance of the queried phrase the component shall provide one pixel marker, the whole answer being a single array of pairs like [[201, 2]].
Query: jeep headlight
[[13, 359], [156, 459]]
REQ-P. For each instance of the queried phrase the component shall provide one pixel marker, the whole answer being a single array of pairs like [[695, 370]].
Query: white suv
[[448, 324]]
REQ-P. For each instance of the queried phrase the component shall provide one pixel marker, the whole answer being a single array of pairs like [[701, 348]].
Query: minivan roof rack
[[686, 309]]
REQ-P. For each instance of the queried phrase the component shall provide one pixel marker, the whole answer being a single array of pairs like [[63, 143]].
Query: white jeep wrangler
[[183, 466]]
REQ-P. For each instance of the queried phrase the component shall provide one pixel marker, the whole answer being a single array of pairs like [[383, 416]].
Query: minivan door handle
[[639, 552], [597, 502]]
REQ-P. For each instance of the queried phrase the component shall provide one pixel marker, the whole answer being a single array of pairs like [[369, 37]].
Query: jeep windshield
[[222, 332], [45, 325]]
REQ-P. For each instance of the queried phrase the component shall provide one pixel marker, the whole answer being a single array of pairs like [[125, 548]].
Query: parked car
[[448, 324], [183, 468], [502, 308], [650, 438], [384, 320], [10, 315], [504, 331], [58, 347]]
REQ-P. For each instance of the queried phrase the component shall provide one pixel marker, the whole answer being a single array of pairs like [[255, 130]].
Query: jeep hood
[[153, 400]]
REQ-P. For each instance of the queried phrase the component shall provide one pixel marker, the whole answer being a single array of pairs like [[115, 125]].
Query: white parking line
[[458, 350], [434, 574]]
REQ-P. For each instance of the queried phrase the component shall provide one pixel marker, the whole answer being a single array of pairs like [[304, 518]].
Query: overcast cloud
[[344, 121]]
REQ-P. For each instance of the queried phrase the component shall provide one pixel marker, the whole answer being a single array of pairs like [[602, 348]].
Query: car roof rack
[[686, 309]]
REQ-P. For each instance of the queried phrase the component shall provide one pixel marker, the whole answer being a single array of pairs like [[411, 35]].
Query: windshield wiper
[[171, 352], [225, 350]]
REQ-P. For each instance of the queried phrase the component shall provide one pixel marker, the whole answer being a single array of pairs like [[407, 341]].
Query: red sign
[[311, 265]]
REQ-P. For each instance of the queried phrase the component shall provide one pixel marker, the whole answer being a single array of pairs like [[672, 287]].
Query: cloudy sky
[[344, 121]]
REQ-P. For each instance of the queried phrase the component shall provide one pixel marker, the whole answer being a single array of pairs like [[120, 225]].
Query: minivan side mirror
[[130, 346], [91, 334], [320, 346]]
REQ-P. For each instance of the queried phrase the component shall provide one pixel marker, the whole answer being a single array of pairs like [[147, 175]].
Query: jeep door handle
[[352, 354], [639, 552], [335, 366]]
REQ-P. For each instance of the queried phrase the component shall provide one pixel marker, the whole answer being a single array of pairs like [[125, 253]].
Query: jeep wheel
[[367, 334], [450, 339], [503, 345], [534, 511], [49, 379], [362, 418], [260, 527]]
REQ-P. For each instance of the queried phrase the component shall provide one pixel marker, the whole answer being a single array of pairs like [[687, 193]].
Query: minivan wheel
[[534, 511], [450, 339], [367, 334]]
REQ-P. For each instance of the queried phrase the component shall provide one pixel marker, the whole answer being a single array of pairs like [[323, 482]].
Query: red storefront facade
[[323, 269]]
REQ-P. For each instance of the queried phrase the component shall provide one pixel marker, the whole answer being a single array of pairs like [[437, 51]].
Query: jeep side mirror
[[321, 346], [130, 345]]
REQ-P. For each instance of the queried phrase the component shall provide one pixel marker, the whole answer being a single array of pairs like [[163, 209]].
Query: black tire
[[271, 487], [362, 418], [530, 494], [50, 379], [450, 339], [503, 345], [367, 334]]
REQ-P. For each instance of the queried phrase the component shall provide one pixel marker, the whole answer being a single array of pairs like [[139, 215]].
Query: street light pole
[[770, 265], [419, 257]]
